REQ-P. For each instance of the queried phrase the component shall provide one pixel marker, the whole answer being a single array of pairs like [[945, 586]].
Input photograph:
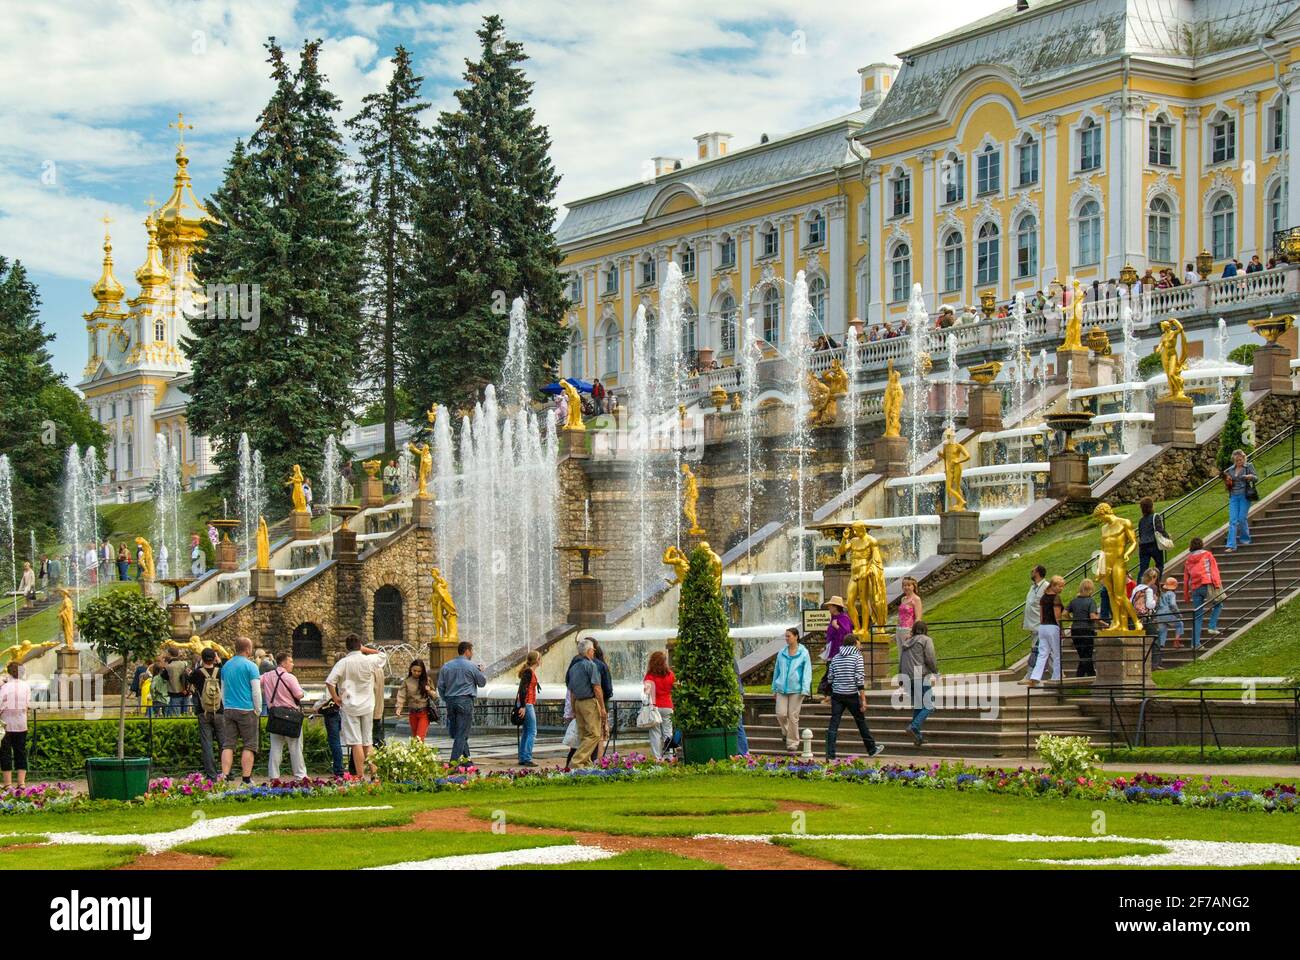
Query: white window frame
[[900, 272], [900, 195], [727, 333], [818, 296], [954, 186], [988, 255], [647, 272], [816, 233], [1160, 222], [988, 171], [1083, 251], [771, 315], [612, 347], [686, 260], [726, 252], [769, 241], [1028, 146], [1158, 127], [954, 261], [1027, 226], [1088, 129], [610, 286], [1222, 128], [1222, 227]]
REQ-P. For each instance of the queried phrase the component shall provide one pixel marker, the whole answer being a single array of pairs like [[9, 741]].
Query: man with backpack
[[206, 683]]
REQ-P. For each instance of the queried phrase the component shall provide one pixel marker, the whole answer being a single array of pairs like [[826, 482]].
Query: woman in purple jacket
[[839, 629]]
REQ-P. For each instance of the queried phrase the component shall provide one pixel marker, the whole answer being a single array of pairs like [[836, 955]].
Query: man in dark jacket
[[919, 668]]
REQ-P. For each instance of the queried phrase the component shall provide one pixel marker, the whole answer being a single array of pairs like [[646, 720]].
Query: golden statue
[[67, 619], [195, 645], [146, 558], [296, 481], [824, 391], [867, 602], [674, 558], [715, 565], [22, 652], [893, 404], [1074, 323], [574, 421], [1173, 356], [263, 545], [954, 455], [690, 500], [426, 468], [1117, 544], [446, 628], [372, 468]]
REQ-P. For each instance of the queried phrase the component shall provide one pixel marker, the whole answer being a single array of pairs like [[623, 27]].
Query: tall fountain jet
[[250, 490], [514, 375], [800, 356], [750, 354], [167, 495], [9, 555]]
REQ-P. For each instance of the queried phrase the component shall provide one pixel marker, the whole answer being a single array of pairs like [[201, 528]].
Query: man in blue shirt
[[588, 697], [458, 682], [241, 702]]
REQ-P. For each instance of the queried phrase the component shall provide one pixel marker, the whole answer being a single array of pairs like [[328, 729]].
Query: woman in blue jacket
[[791, 682]]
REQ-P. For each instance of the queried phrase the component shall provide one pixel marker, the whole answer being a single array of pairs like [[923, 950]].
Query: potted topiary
[[706, 697], [130, 625]]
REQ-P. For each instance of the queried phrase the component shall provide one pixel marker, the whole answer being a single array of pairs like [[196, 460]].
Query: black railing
[[1228, 732]]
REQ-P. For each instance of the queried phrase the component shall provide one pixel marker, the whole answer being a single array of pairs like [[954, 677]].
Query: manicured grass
[[1271, 648], [632, 860], [1228, 755], [957, 854], [91, 856], [130, 520], [44, 626]]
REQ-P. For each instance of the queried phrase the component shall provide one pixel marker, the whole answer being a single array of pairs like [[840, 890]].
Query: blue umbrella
[[554, 388]]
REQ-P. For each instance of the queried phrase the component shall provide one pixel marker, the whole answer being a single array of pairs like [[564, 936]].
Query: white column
[[625, 291], [705, 328], [745, 254], [1292, 80], [1191, 184], [875, 239], [837, 266], [926, 212], [1248, 241], [789, 236], [1048, 171], [1115, 212], [1133, 214], [594, 360]]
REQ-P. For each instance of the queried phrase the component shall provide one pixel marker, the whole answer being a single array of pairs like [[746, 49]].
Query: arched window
[[688, 334], [900, 273], [816, 229], [986, 255], [1276, 209], [387, 617], [611, 336], [772, 316], [1089, 233], [1026, 247], [817, 297], [1222, 224], [577, 353], [308, 644], [1160, 141], [160, 328], [988, 170], [1160, 231], [954, 255], [1027, 161], [727, 324]]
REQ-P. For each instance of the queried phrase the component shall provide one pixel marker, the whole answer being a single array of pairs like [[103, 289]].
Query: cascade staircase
[[30, 610]]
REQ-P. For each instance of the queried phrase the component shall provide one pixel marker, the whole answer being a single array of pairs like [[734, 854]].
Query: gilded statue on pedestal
[[446, 628], [372, 468], [263, 545], [690, 500], [1074, 323], [147, 571], [893, 404], [425, 471], [1173, 356], [954, 455], [574, 402], [67, 619], [22, 652], [299, 498], [824, 391], [867, 603], [1118, 542], [674, 558], [195, 645]]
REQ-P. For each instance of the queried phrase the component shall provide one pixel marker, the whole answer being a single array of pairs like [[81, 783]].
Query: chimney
[[664, 165], [710, 146], [876, 81]]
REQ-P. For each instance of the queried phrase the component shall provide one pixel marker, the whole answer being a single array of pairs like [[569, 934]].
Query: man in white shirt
[[1191, 276], [351, 685], [91, 562], [1033, 608]]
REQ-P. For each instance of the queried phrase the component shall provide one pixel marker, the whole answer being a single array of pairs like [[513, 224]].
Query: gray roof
[[1056, 37], [798, 155]]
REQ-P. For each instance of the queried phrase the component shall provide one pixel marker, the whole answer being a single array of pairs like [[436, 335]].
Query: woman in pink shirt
[[280, 688], [1200, 578], [15, 696]]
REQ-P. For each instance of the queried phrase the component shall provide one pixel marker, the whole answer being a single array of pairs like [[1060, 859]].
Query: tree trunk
[[121, 717]]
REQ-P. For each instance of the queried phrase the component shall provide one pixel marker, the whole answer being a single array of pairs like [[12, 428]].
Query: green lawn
[[1271, 648], [131, 520], [632, 860]]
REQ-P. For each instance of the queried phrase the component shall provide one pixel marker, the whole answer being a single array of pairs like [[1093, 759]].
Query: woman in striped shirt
[[849, 692]]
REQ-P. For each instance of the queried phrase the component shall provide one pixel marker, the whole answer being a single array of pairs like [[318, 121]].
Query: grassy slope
[[1271, 648]]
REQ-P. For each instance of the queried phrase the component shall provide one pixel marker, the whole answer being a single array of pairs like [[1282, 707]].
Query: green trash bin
[[108, 778], [711, 743]]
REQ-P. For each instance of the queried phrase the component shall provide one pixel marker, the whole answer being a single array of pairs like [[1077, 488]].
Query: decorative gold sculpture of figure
[[296, 481], [866, 601], [426, 468], [837, 378], [22, 652], [372, 468], [196, 645], [263, 545], [893, 404], [146, 558], [446, 628], [1117, 544], [954, 455], [1074, 323], [1173, 356], [674, 558], [715, 564], [574, 421], [67, 619], [690, 501], [823, 393]]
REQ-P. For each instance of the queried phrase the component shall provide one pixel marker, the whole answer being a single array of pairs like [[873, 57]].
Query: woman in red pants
[[415, 697]]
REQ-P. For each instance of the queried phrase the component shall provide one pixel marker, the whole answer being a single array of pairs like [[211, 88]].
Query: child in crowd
[[1167, 614]]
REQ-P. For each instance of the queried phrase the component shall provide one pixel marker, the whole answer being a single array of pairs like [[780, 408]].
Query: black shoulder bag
[[283, 721]]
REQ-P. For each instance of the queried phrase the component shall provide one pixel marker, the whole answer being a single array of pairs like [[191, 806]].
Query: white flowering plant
[[1067, 758], [408, 761]]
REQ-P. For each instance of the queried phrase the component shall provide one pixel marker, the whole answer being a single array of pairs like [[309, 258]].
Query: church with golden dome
[[136, 377]]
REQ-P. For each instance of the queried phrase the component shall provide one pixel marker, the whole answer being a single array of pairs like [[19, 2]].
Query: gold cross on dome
[[150, 202], [106, 220], [181, 126]]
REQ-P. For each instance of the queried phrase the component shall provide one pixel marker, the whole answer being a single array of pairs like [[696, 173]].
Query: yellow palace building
[[1053, 139], [136, 375]]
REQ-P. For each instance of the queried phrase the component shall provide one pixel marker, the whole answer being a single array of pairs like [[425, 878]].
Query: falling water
[[1128, 365], [639, 410], [919, 441], [514, 375], [1019, 334], [166, 534], [244, 494], [91, 478], [71, 529], [800, 356], [852, 362], [7, 527], [749, 357], [1221, 347], [670, 366], [406, 473], [950, 401]]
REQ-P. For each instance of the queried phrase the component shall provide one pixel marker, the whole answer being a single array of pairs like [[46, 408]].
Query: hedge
[[1192, 754], [59, 748]]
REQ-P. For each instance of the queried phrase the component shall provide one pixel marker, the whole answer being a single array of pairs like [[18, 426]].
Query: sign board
[[816, 621]]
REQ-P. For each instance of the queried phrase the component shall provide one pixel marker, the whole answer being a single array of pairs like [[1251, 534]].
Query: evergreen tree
[[483, 235], [706, 694], [286, 221], [391, 140], [1231, 439]]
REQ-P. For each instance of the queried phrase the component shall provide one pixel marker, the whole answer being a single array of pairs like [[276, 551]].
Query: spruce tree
[[390, 139], [706, 693], [1231, 438], [483, 231], [287, 221]]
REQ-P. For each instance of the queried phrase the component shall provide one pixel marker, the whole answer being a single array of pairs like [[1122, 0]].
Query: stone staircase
[[22, 613], [959, 726]]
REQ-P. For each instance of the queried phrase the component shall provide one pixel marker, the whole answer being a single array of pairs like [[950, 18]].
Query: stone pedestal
[[573, 443], [715, 428], [422, 512], [69, 661], [890, 455], [300, 525], [1067, 476], [984, 409], [179, 615], [1120, 660], [345, 543], [440, 653], [1073, 368], [835, 580], [227, 555], [372, 492], [586, 602], [959, 534], [1174, 423], [879, 660], [261, 582], [1272, 369]]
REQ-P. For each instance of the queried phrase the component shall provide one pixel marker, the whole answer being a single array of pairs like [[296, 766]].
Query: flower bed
[[38, 797]]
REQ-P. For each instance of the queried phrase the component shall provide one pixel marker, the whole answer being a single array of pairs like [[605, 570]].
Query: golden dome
[[152, 273], [107, 291], [181, 213]]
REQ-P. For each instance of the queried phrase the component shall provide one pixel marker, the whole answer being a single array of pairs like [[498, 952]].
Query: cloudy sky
[[87, 88]]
